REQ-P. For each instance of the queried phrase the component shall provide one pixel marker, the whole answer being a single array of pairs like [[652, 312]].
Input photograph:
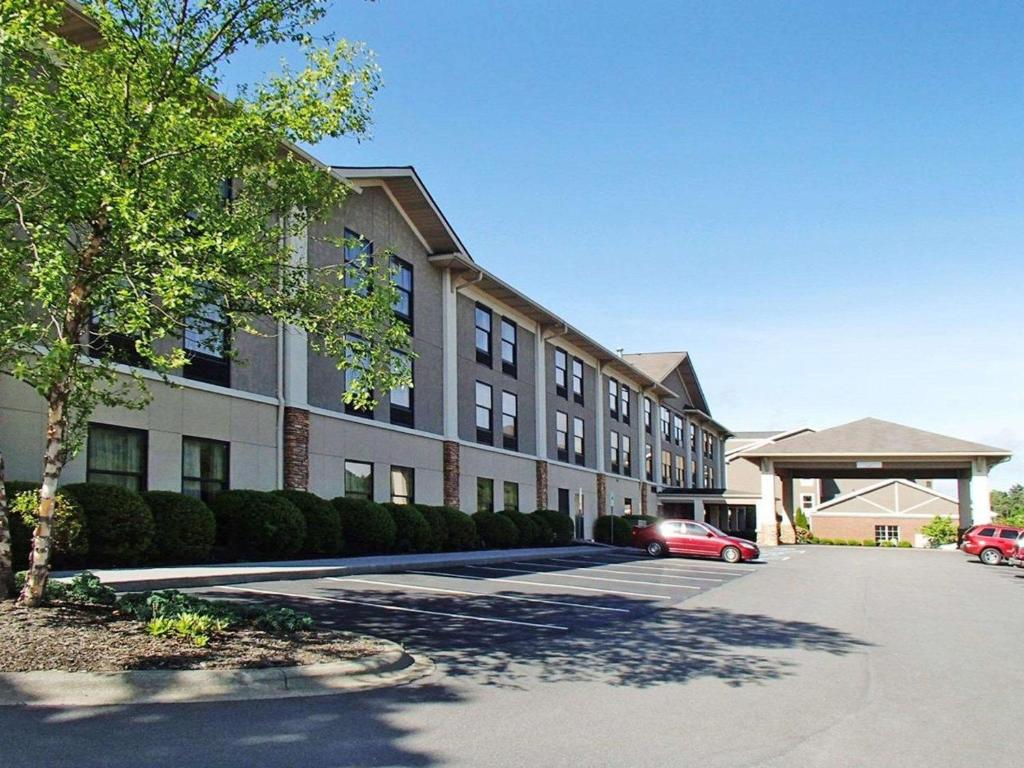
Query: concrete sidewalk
[[184, 576]]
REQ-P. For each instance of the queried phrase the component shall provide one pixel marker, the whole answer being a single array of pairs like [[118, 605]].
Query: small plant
[[800, 520], [283, 620], [940, 530], [868, 543], [195, 627], [905, 545]]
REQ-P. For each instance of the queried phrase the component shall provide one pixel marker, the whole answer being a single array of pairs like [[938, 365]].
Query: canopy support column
[[767, 525]]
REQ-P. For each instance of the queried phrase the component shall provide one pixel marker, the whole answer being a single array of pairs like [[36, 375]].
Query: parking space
[[436, 609]]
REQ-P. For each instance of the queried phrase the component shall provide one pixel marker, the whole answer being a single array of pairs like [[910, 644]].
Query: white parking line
[[619, 565], [402, 608], [508, 580], [687, 564], [576, 576], [423, 588], [685, 569]]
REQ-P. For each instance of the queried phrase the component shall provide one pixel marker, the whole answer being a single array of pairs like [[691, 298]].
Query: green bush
[[868, 543], [438, 527], [119, 524], [368, 528], [889, 543], [462, 533], [545, 534], [622, 529], [69, 538], [184, 528], [853, 542], [529, 534], [257, 525], [323, 523], [496, 531], [412, 531], [561, 525], [905, 545], [804, 536], [940, 530], [800, 520]]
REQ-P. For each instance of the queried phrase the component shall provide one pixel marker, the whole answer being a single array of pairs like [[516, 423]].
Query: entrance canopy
[[872, 448]]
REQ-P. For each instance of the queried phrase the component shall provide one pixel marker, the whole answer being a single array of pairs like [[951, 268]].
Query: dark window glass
[[483, 334], [402, 397], [403, 285], [509, 347], [484, 494], [511, 497], [117, 456], [577, 380], [357, 254], [561, 373], [563, 500], [627, 455], [562, 435], [206, 343], [624, 403], [649, 463], [987, 532], [666, 468], [403, 484], [665, 426], [510, 421], [613, 450], [577, 441], [648, 407], [356, 361], [484, 419], [613, 398], [204, 467], [1008, 534], [359, 480]]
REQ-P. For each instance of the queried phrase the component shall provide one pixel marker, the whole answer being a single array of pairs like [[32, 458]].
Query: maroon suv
[[992, 544], [684, 537]]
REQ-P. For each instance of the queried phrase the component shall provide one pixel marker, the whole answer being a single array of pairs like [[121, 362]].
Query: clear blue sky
[[822, 204]]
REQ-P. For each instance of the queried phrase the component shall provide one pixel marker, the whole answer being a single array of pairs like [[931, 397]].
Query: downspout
[[279, 458]]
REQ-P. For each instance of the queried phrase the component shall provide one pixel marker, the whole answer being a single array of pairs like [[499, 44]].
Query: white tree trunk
[[6, 559]]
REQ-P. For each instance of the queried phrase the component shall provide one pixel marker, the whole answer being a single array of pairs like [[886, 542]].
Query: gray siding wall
[[471, 371], [373, 216], [567, 405]]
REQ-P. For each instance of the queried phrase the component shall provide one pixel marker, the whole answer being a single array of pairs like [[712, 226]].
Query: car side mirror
[[709, 535]]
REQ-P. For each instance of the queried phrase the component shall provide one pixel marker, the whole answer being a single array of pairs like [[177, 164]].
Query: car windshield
[[713, 529]]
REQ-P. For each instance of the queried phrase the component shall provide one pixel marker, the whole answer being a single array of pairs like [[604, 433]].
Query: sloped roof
[[659, 365], [883, 484], [873, 437]]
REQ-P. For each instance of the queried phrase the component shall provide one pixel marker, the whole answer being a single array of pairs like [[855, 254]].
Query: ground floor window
[[359, 480], [204, 467], [511, 497], [886, 533], [563, 500], [117, 456], [627, 506], [484, 494], [402, 485]]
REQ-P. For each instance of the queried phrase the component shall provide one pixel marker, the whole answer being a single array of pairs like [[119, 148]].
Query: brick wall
[[863, 527], [296, 448], [602, 495], [542, 484], [451, 474]]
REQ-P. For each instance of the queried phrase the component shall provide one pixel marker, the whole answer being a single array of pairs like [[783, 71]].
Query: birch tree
[[132, 197]]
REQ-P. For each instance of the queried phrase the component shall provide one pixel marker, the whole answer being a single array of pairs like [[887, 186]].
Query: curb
[[130, 582], [393, 666]]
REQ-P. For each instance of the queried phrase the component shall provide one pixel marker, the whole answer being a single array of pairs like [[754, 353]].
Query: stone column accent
[[644, 490], [296, 448], [542, 484], [451, 474], [602, 495]]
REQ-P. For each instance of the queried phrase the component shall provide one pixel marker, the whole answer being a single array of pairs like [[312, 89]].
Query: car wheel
[[731, 555], [991, 556], [655, 549]]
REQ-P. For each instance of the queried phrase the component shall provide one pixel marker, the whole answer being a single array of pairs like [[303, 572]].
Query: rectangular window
[[358, 252], [402, 397], [613, 445], [649, 463], [484, 494], [695, 481], [666, 468], [613, 398], [577, 380], [563, 500], [886, 533], [206, 343], [627, 506], [648, 414], [627, 456], [483, 334], [807, 501], [577, 441], [356, 361], [484, 417], [402, 277], [359, 480], [677, 430], [510, 421], [624, 395], [511, 497], [403, 485], [117, 456], [509, 347], [665, 428], [561, 373], [204, 467], [680, 471], [562, 435]]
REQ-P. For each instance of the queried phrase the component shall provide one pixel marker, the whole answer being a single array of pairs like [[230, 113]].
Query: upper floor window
[[680, 471], [204, 467], [693, 438], [484, 416], [355, 363], [359, 480], [357, 254], [510, 421], [509, 347], [403, 286], [627, 455], [402, 397], [613, 398], [577, 441], [665, 428], [666, 468], [561, 373], [577, 380], [206, 345], [649, 462], [483, 334], [613, 443], [677, 430], [648, 414], [117, 456], [624, 395], [562, 435]]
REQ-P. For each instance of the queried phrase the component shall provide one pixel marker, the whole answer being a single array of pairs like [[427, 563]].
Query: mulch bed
[[75, 638]]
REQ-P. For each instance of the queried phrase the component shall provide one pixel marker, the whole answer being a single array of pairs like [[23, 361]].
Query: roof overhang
[[706, 418]]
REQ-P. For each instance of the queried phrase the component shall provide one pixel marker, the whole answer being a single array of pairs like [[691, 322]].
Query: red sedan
[[990, 543], [684, 537]]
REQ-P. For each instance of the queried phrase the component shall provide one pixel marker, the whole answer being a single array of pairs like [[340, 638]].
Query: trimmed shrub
[[257, 525], [412, 531], [800, 520], [436, 519], [889, 543], [905, 545], [367, 527], [868, 543], [69, 538], [853, 542], [561, 525], [529, 533], [323, 523], [119, 523], [545, 534], [184, 528], [607, 525], [496, 531], [462, 532], [940, 530]]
